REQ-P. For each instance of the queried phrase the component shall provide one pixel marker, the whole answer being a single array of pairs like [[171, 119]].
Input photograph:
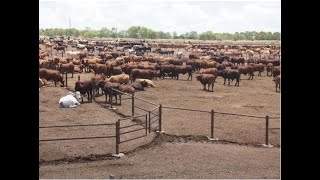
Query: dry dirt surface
[[179, 158], [243, 158]]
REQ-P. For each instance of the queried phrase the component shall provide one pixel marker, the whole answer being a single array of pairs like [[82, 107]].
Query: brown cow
[[277, 80], [84, 87], [68, 68], [213, 71], [182, 70], [269, 69], [96, 80], [54, 75], [142, 73], [206, 79]]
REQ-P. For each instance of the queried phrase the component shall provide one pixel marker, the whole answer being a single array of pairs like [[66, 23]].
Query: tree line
[[147, 33]]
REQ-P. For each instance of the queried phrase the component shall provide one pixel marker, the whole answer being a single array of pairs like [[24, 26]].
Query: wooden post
[[267, 130], [132, 105], [117, 136], [160, 118], [149, 122], [212, 123]]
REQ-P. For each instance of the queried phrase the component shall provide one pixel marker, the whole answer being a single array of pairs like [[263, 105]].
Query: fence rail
[[141, 108], [106, 124], [130, 118], [185, 109], [133, 139], [131, 125], [145, 101], [240, 115], [133, 131], [151, 120], [65, 139]]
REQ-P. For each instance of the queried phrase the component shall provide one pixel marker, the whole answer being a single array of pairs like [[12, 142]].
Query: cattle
[[220, 67], [277, 80], [59, 48], [85, 87], [182, 70], [54, 75], [194, 56], [230, 74], [68, 68], [191, 63], [148, 81], [269, 69], [96, 80], [276, 71], [107, 88], [142, 73], [250, 61], [206, 79], [83, 54], [121, 79], [178, 62], [70, 101], [78, 68], [100, 69], [237, 60], [138, 86], [166, 69], [213, 71], [245, 70], [259, 68], [116, 71]]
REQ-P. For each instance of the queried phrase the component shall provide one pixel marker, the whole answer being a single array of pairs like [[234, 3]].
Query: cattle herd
[[131, 65]]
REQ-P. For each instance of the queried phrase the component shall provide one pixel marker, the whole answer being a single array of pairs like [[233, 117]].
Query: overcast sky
[[165, 15]]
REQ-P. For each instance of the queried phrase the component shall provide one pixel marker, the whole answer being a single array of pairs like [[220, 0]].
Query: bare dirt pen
[[255, 97]]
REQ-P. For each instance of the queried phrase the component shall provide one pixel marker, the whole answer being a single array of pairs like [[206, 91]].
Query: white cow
[[70, 101], [148, 81]]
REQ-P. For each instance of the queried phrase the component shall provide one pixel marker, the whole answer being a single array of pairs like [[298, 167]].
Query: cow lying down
[[70, 101]]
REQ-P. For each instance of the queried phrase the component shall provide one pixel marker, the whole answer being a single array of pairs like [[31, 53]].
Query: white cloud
[[174, 15]]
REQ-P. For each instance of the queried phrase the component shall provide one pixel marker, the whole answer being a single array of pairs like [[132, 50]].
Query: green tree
[[208, 35]]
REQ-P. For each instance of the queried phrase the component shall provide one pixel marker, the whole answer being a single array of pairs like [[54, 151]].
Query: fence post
[[66, 79], [149, 122], [267, 130], [160, 118], [117, 136], [212, 138], [132, 104], [212, 123]]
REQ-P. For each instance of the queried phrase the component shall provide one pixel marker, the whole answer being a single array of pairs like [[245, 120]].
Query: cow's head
[[77, 95]]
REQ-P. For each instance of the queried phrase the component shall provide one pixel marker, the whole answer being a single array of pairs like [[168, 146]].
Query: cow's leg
[[224, 81], [72, 74], [212, 86], [204, 87], [55, 83]]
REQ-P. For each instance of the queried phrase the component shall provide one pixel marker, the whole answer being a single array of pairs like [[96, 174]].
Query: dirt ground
[[255, 97], [178, 159]]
